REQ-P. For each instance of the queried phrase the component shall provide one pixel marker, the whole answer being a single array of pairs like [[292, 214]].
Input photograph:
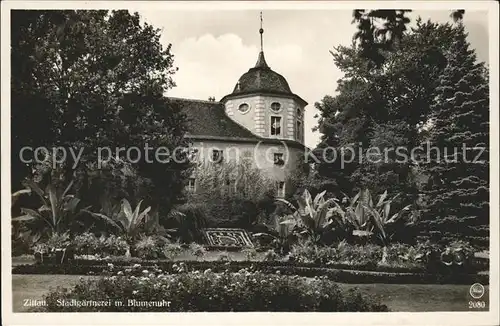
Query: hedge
[[244, 290], [85, 267]]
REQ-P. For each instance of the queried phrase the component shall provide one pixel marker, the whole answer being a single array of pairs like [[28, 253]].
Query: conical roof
[[261, 78]]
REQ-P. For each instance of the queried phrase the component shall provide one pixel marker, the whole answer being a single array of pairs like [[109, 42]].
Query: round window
[[243, 108], [299, 113], [275, 106]]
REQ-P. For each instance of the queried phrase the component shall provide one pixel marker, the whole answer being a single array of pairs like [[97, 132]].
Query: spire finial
[[261, 62], [261, 31]]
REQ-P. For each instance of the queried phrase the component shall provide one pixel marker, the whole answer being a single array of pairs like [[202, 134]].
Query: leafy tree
[[382, 108], [458, 191], [377, 30], [86, 79], [380, 29]]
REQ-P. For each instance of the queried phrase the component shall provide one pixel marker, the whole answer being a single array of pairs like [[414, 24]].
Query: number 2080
[[477, 304]]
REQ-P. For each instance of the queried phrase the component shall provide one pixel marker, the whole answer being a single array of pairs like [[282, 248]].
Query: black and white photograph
[[265, 157]]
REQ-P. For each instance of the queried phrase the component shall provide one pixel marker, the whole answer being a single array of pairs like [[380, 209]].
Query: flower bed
[[348, 274], [243, 290]]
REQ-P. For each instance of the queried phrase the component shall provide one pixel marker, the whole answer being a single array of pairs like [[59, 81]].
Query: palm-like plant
[[355, 215], [58, 209], [383, 218], [187, 223], [314, 215], [368, 217], [127, 221], [15, 196], [281, 232]]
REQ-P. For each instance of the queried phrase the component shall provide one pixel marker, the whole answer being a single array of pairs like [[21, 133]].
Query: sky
[[212, 49]]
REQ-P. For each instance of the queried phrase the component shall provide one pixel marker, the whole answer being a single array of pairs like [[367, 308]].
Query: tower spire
[[261, 62], [261, 31]]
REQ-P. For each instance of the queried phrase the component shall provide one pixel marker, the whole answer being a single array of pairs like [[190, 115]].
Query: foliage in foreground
[[209, 291], [325, 221]]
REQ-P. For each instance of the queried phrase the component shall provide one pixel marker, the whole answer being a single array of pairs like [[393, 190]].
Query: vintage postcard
[[250, 163]]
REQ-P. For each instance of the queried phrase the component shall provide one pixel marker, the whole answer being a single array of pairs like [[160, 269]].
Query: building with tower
[[260, 121]]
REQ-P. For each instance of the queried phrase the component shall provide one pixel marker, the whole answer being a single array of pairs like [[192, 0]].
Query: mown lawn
[[398, 297]]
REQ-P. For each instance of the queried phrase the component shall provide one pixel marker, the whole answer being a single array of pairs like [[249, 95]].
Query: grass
[[398, 297]]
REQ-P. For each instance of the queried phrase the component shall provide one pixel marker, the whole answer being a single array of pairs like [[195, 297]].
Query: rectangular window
[[298, 131], [231, 186], [217, 156], [275, 126], [192, 185], [281, 189], [193, 155], [278, 159]]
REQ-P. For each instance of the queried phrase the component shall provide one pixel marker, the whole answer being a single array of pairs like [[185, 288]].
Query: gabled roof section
[[208, 119]]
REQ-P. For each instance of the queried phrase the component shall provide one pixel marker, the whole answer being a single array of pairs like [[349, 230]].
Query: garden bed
[[397, 297], [204, 263], [338, 273]]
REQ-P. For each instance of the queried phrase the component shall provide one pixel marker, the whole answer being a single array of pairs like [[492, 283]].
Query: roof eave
[[263, 92], [255, 140]]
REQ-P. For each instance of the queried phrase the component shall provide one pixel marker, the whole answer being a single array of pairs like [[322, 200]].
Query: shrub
[[209, 291], [113, 245], [368, 254], [58, 241], [232, 194], [189, 223], [53, 242], [402, 255], [307, 252], [86, 244], [197, 250], [458, 253], [271, 255], [148, 247], [89, 244], [172, 250], [224, 256], [250, 253]]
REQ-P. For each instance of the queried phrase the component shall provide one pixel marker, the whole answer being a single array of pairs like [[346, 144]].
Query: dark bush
[[208, 291]]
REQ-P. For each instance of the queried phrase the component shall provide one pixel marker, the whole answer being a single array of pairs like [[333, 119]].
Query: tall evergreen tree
[[383, 109], [458, 191]]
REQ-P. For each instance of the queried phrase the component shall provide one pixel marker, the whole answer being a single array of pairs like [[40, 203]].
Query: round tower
[[263, 102]]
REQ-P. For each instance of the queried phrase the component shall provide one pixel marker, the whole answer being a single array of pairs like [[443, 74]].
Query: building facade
[[260, 122]]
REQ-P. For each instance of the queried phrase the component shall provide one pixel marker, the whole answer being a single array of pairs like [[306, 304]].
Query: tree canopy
[[85, 79], [399, 103]]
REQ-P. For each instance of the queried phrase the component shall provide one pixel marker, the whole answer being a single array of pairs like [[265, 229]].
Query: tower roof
[[262, 79], [261, 61]]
